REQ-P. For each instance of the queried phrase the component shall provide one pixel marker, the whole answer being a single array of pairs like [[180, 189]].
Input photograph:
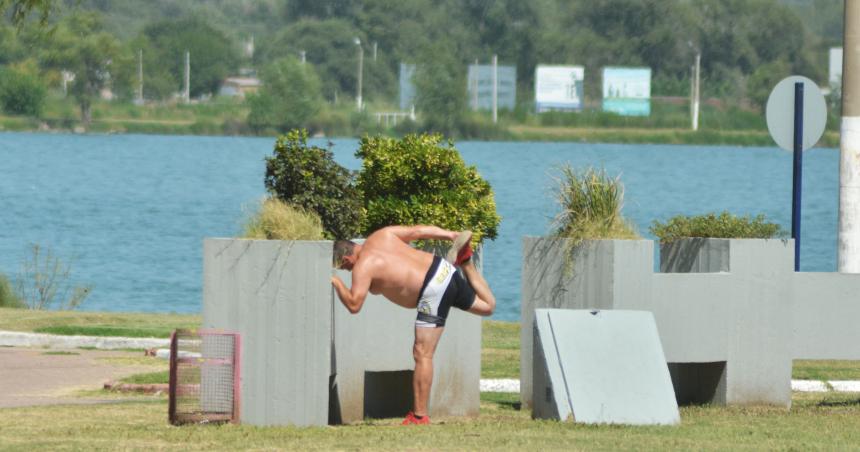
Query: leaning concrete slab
[[601, 367], [277, 295]]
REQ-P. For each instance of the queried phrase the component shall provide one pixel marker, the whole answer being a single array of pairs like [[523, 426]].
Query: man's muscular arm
[[412, 233], [353, 298]]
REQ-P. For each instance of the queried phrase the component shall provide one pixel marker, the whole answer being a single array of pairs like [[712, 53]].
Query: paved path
[[29, 376]]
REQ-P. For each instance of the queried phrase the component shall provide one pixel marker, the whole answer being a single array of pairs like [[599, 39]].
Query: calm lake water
[[132, 210]]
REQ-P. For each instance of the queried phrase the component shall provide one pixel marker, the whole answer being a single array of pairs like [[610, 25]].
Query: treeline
[[746, 46]]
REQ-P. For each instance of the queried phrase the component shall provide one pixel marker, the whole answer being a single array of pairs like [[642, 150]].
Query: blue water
[[131, 211]]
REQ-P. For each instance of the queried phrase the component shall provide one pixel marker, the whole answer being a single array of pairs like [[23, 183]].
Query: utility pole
[[495, 88], [187, 93], [374, 51], [360, 70], [475, 76], [849, 144], [696, 91], [140, 76]]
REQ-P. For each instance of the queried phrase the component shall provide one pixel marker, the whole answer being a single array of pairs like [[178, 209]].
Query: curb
[[18, 339]]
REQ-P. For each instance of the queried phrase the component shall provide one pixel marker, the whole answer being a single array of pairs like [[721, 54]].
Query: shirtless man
[[414, 279]]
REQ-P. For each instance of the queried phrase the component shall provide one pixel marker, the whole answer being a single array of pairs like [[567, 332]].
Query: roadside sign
[[780, 113]]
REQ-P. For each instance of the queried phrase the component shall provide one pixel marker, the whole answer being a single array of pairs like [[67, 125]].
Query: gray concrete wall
[[306, 360], [731, 314], [826, 316], [277, 295]]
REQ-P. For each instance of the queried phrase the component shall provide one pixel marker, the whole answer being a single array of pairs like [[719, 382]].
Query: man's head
[[344, 254]]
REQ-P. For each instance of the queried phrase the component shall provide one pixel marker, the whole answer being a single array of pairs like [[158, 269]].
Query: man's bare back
[[396, 270], [386, 264]]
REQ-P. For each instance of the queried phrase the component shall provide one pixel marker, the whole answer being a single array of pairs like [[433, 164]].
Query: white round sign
[[780, 113]]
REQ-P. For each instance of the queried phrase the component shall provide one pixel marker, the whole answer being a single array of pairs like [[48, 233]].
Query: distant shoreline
[[514, 133]]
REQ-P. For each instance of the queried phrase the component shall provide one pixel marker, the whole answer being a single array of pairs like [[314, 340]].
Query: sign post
[[796, 115], [798, 172]]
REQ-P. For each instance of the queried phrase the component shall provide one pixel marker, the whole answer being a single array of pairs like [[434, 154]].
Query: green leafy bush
[[21, 93], [277, 220], [724, 225], [418, 180], [8, 297], [590, 203], [308, 176]]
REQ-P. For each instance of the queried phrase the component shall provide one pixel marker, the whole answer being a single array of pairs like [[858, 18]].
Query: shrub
[[724, 225], [590, 203], [21, 93], [308, 176], [8, 297], [277, 220], [416, 180], [45, 282]]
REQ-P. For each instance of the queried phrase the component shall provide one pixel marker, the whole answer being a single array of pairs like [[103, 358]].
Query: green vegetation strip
[[92, 323], [500, 351], [150, 378], [104, 330], [826, 422]]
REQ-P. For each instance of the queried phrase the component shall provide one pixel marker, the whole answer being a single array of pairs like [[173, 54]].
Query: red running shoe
[[412, 420], [461, 249]]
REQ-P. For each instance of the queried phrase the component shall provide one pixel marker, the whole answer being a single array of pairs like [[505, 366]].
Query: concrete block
[[306, 360], [378, 342], [825, 317], [725, 309], [278, 296], [601, 367], [593, 275]]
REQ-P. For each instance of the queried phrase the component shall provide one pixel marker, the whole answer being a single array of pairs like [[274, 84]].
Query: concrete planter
[[726, 323], [306, 360], [603, 272]]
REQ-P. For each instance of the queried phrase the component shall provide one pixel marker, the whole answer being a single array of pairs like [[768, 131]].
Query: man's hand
[[353, 298]]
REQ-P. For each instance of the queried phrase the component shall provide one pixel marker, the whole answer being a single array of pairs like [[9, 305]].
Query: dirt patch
[[30, 376]]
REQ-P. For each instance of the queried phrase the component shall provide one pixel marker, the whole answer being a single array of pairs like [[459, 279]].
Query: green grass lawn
[[828, 422], [95, 323], [500, 351]]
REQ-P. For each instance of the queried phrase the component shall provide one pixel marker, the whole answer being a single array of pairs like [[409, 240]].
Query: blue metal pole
[[798, 171]]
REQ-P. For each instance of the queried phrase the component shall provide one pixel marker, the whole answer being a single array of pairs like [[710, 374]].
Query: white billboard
[[627, 90], [558, 88], [480, 86]]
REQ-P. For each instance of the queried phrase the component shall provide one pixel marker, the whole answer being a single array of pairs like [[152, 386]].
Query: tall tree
[[440, 88], [81, 47], [213, 55], [290, 96], [19, 10]]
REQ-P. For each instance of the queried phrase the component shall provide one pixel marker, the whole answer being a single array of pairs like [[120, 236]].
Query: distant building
[[835, 67], [239, 86], [407, 88]]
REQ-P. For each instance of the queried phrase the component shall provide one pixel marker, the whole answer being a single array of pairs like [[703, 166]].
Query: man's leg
[[425, 346], [485, 302]]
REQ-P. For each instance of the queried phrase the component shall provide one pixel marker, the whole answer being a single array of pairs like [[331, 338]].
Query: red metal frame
[[236, 363]]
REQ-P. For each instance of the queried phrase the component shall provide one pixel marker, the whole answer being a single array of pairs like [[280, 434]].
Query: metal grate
[[204, 377]]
